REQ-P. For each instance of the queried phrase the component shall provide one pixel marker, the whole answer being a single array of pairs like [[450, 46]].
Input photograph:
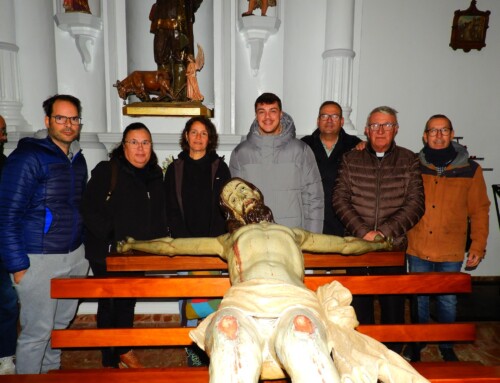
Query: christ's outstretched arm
[[323, 243], [177, 246]]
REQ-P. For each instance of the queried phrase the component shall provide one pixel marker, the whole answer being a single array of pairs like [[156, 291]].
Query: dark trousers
[[392, 307], [9, 313], [113, 313]]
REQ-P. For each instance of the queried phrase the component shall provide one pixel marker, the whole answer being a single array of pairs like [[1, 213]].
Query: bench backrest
[[215, 286], [149, 262]]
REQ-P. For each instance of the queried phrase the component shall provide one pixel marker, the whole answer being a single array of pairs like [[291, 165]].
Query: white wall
[[403, 59], [304, 45], [405, 62]]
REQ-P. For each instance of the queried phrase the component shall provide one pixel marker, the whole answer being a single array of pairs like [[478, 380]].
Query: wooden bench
[[149, 262], [186, 287], [215, 286], [439, 372], [176, 287]]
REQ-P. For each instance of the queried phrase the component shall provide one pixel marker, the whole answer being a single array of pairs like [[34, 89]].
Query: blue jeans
[[9, 312], [446, 304]]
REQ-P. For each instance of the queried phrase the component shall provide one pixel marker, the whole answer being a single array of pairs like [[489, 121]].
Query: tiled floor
[[486, 349]]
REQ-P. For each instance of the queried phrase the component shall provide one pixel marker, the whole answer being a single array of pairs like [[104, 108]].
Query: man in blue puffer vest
[[41, 229]]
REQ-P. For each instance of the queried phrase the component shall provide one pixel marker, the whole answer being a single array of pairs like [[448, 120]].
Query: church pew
[[215, 286], [449, 372], [154, 287], [138, 261]]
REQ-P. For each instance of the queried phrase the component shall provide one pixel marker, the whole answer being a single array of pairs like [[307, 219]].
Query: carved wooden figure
[[268, 320], [143, 84], [194, 65]]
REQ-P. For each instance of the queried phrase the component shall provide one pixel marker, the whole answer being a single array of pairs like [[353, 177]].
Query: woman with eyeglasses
[[124, 197], [193, 183]]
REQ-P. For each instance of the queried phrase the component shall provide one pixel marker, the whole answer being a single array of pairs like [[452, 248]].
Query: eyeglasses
[[75, 120], [387, 127], [136, 143], [434, 131], [194, 133], [324, 117]]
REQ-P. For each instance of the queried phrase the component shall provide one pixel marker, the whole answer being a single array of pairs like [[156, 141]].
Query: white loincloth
[[357, 357]]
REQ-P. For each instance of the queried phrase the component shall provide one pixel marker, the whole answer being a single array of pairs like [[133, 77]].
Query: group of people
[[433, 204], [54, 224]]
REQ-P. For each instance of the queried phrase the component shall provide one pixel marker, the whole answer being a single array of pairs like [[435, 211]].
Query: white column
[[139, 39], [338, 57], [80, 71], [37, 57], [85, 82], [10, 90]]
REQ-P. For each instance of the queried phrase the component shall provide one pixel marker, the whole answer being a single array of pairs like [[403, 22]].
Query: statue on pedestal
[[172, 24], [268, 321], [172, 89], [81, 6]]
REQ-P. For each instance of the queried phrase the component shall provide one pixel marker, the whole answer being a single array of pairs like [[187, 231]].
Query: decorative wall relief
[[79, 22]]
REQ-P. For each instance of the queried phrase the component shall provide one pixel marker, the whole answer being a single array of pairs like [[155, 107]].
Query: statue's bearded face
[[240, 197]]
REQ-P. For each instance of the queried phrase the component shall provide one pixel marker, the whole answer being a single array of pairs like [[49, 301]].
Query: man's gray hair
[[385, 110]]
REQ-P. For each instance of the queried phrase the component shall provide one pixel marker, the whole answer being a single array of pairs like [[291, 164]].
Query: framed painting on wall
[[469, 28]]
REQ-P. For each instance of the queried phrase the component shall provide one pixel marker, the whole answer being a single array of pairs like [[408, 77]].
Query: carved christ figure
[[268, 320]]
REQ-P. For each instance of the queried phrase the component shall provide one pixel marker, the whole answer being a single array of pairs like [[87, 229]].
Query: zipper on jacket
[[377, 202]]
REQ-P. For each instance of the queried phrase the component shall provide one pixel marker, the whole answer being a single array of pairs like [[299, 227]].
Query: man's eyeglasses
[[387, 127], [434, 131], [136, 143], [75, 120], [324, 117]]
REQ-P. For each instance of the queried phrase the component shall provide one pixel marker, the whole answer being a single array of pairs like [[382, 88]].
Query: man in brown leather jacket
[[379, 192]]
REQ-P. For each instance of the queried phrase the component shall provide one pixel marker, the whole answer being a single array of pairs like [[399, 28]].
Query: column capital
[[339, 53], [9, 47]]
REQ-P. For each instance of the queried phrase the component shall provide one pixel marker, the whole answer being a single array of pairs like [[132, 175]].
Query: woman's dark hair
[[118, 151], [213, 137]]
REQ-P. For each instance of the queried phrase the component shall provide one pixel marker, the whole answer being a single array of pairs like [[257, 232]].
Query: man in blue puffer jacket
[[41, 229]]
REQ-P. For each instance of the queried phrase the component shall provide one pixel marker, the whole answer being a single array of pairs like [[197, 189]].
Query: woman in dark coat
[[193, 183], [124, 197]]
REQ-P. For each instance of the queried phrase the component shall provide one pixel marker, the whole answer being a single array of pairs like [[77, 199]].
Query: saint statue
[[172, 24]]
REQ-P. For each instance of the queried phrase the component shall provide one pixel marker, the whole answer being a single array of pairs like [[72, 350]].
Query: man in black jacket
[[329, 142]]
